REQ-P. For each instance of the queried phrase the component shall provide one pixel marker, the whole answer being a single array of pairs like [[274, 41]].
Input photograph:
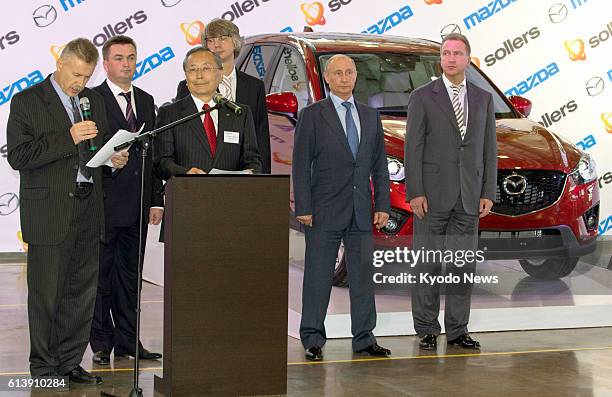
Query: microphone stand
[[144, 140]]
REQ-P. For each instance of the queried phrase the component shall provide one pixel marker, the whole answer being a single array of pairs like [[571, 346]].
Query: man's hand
[[305, 220], [484, 207], [83, 131], [120, 159], [155, 216], [195, 171], [419, 206], [380, 219]]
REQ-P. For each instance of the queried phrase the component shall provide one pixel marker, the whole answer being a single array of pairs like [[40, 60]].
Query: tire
[[340, 273], [549, 269]]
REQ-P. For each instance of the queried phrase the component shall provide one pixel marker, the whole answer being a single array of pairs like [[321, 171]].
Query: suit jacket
[[41, 148], [249, 91], [439, 165], [186, 145], [327, 182], [122, 187]]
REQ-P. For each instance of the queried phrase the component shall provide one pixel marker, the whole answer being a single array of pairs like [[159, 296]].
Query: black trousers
[[320, 259], [114, 322], [454, 231], [62, 283]]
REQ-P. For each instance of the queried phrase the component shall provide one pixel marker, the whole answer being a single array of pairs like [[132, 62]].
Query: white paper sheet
[[103, 155]]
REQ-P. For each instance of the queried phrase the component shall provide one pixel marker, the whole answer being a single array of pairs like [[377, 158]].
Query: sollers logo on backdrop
[[575, 49], [193, 32], [511, 45], [549, 118], [313, 13], [240, 9], [108, 31]]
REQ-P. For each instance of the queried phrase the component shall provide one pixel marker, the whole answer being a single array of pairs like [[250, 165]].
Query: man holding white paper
[[218, 139]]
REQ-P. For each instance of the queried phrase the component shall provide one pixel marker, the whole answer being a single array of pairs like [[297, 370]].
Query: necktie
[[226, 88], [351, 129], [84, 154], [209, 127], [129, 112], [459, 114]]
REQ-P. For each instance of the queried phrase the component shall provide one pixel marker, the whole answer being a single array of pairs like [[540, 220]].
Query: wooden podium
[[225, 286]]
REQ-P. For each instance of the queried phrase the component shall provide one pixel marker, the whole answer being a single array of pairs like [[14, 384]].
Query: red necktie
[[209, 127]]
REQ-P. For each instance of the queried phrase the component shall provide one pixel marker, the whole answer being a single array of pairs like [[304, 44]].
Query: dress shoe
[[465, 341], [143, 354], [101, 357], [375, 350], [428, 342], [79, 375], [314, 354]]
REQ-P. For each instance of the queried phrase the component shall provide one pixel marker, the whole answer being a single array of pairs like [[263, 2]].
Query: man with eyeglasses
[[223, 38], [218, 139]]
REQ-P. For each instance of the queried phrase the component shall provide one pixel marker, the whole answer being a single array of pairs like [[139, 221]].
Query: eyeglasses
[[220, 39], [206, 69]]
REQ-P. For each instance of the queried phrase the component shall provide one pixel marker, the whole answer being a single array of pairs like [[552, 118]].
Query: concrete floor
[[530, 363]]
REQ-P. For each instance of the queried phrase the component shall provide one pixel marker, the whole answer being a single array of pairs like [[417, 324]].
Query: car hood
[[521, 144]]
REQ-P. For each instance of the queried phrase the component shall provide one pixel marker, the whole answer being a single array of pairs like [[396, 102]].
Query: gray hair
[[192, 51], [222, 27]]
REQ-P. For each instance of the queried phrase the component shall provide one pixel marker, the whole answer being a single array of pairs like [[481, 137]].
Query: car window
[[258, 61], [290, 76], [385, 80]]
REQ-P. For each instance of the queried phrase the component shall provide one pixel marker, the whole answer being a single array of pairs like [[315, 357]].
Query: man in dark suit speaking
[[451, 172], [223, 38], [61, 209], [128, 108], [218, 139], [338, 147]]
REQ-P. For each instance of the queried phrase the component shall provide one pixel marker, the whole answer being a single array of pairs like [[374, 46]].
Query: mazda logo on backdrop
[[44, 15], [514, 184], [9, 202]]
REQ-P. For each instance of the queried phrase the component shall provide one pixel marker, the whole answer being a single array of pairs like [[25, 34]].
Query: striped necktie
[[129, 111], [459, 113], [225, 88]]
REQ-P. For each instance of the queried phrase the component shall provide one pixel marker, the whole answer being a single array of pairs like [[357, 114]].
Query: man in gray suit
[[61, 209], [338, 147], [451, 171]]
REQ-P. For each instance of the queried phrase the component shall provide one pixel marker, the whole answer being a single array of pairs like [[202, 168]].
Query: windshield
[[385, 80]]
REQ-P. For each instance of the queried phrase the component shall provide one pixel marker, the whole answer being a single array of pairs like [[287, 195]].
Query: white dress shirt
[[116, 90]]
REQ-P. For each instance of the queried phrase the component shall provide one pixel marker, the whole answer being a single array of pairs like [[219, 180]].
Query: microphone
[[86, 112], [221, 100]]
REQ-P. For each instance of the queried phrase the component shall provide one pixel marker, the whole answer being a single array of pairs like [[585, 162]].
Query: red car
[[547, 206]]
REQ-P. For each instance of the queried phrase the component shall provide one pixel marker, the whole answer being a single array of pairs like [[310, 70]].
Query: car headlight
[[585, 171], [396, 169]]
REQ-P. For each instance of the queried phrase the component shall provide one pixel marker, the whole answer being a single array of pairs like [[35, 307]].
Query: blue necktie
[[351, 130]]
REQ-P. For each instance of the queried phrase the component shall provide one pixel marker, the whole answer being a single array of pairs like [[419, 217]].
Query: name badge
[[231, 137]]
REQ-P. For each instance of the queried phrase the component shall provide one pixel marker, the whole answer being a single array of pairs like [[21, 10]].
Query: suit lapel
[[363, 122], [196, 126], [140, 109], [443, 101], [56, 107], [226, 123], [472, 101], [241, 89], [331, 117]]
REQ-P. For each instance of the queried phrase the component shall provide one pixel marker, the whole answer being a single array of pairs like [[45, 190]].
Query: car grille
[[542, 189]]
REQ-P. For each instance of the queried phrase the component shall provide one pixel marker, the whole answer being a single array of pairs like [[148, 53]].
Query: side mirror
[[282, 102], [521, 104]]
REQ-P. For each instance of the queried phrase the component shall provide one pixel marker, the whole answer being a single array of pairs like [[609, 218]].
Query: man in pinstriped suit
[[219, 139], [61, 209]]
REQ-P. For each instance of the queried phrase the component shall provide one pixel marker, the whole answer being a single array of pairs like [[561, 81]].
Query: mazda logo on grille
[[514, 184]]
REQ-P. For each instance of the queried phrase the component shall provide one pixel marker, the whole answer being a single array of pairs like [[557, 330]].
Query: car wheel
[[549, 269], [340, 274]]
